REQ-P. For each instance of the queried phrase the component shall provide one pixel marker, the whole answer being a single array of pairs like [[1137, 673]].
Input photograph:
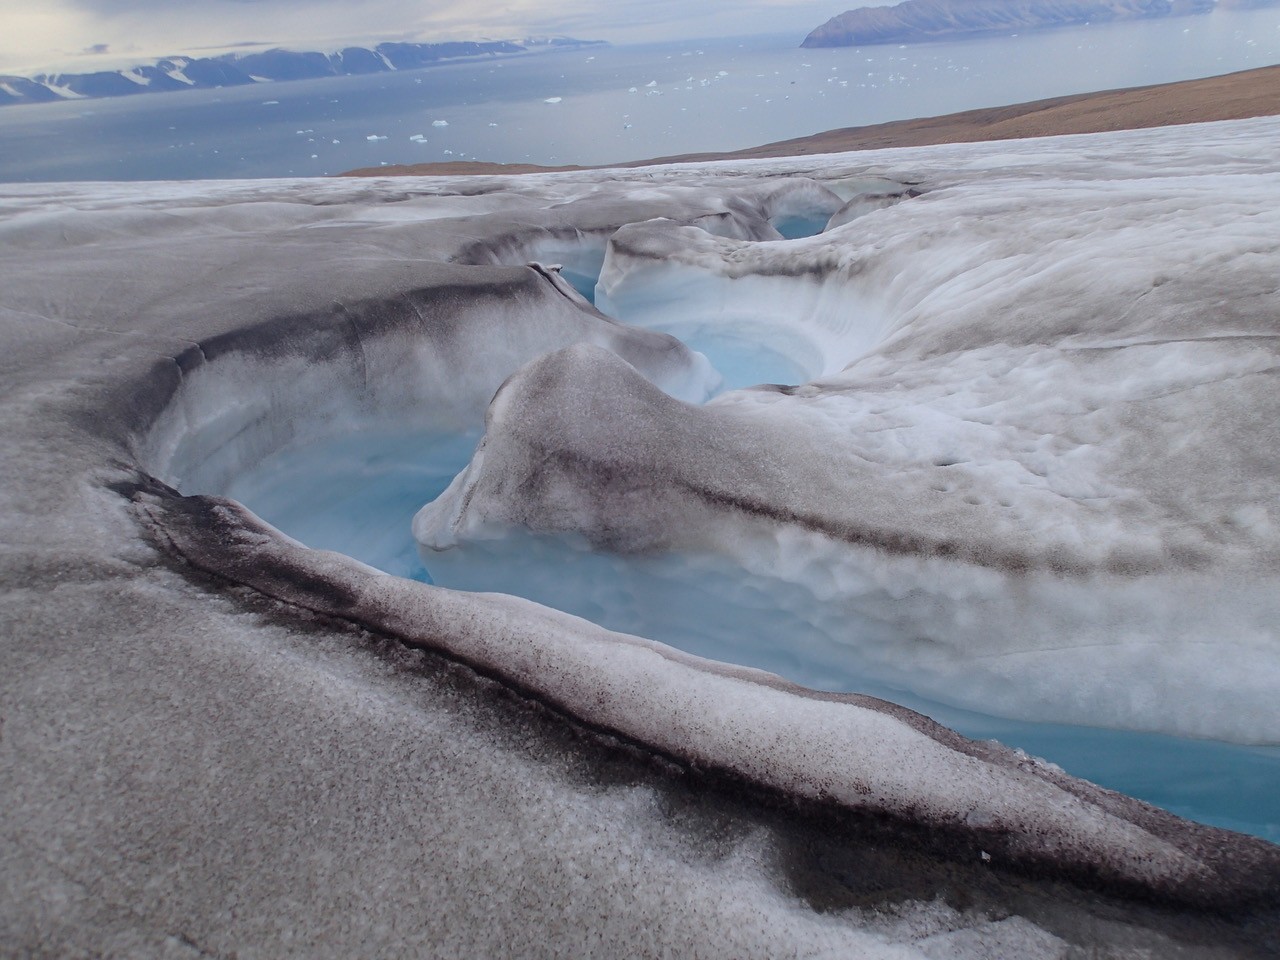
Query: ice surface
[[1039, 450], [358, 493], [233, 735]]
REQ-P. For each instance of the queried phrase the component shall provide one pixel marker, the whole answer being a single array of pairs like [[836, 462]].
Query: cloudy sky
[[87, 34]]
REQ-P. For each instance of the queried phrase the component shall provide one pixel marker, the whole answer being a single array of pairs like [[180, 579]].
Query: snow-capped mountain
[[237, 69]]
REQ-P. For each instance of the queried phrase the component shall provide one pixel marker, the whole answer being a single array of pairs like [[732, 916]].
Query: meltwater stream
[[357, 494]]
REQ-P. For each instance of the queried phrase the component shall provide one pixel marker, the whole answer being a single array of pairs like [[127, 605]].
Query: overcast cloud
[[94, 34]]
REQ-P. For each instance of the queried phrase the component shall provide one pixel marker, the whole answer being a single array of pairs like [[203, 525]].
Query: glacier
[[1008, 448], [1020, 458]]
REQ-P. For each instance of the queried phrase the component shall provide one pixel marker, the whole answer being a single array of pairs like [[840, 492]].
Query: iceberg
[[1029, 436]]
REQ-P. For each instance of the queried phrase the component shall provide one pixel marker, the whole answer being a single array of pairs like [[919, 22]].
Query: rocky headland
[[917, 21]]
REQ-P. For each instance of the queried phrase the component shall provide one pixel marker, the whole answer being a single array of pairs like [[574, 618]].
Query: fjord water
[[612, 104]]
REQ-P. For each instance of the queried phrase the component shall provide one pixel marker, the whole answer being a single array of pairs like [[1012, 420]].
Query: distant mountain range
[[915, 21], [239, 69]]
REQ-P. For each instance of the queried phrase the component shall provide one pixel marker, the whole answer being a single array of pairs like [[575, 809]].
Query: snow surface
[[218, 741]]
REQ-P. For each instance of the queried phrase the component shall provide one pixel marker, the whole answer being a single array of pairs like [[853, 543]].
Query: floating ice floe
[[553, 100], [439, 123]]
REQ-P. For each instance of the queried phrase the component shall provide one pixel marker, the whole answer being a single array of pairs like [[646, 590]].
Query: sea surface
[[598, 105]]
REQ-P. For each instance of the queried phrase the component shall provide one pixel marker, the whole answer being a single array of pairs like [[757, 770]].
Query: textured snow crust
[[216, 741]]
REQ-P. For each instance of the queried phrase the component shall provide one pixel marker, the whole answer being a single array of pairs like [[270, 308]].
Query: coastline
[[1232, 96]]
